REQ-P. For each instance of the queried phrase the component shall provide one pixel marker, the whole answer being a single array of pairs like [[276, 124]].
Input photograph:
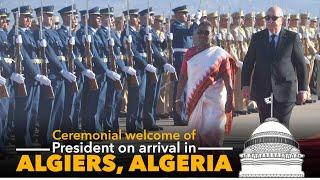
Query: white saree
[[207, 96]]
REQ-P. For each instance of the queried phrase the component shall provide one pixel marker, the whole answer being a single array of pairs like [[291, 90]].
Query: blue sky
[[162, 6]]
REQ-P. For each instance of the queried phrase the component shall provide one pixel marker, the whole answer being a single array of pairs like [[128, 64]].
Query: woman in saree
[[207, 72]]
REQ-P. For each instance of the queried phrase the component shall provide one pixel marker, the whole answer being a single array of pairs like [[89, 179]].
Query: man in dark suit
[[276, 55]]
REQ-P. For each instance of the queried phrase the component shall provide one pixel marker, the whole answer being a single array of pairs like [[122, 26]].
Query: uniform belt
[[62, 58], [37, 61], [180, 50], [8, 60], [105, 60], [143, 54]]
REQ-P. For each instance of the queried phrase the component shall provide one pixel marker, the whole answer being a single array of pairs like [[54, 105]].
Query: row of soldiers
[[233, 33], [75, 77]]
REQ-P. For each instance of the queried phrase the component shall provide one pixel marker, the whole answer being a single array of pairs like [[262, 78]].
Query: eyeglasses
[[273, 18], [203, 32]]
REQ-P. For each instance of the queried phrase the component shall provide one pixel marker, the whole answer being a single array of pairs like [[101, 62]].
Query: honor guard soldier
[[260, 22], [309, 49], [71, 117], [164, 104], [56, 22], [224, 28], [294, 23], [249, 22], [94, 101], [119, 26], [315, 38], [182, 40], [241, 47], [114, 93], [160, 64], [51, 109], [213, 18], [286, 19], [24, 50], [7, 76], [136, 91], [6, 25]]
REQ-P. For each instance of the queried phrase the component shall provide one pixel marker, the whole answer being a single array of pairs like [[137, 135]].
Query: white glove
[[86, 38], [2, 80], [43, 43], [72, 41], [68, 75], [89, 74], [151, 68], [240, 38], [129, 70], [318, 57], [169, 68], [18, 78], [43, 80], [239, 64], [219, 36], [148, 37], [169, 36], [19, 39], [198, 15], [111, 42], [113, 75], [305, 35], [229, 37], [306, 60], [127, 39]]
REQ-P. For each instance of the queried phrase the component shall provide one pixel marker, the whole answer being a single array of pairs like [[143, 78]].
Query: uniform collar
[[23, 29], [277, 34], [133, 28], [65, 27], [106, 28], [93, 29]]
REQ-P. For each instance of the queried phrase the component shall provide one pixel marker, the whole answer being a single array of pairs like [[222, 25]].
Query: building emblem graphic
[[271, 151]]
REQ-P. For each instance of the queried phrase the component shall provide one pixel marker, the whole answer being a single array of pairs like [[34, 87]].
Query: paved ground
[[304, 123]]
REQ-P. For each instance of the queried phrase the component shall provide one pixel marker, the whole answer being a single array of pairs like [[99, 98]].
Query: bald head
[[275, 10], [274, 19]]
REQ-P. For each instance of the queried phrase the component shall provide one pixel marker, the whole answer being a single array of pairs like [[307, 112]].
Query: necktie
[[273, 45]]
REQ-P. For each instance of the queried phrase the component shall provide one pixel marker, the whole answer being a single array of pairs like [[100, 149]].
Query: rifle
[[173, 76], [19, 89], [93, 85], [111, 55], [44, 68], [152, 76], [71, 56], [3, 89], [133, 79]]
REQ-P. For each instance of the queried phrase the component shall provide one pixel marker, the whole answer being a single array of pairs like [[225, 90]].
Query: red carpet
[[311, 149]]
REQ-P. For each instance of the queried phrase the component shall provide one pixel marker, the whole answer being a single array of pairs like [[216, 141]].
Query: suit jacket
[[279, 74]]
